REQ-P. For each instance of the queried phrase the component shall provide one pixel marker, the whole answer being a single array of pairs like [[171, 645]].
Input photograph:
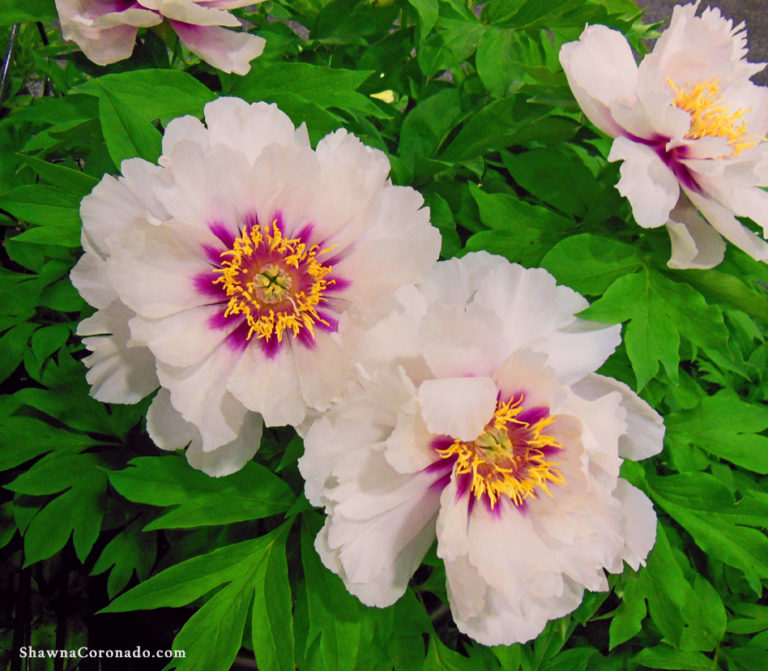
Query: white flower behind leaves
[[106, 29], [234, 274], [690, 128], [478, 419]]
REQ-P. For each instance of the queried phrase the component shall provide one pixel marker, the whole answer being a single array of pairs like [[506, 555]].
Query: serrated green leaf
[[251, 493], [659, 311], [131, 552], [735, 439], [590, 263], [326, 87]]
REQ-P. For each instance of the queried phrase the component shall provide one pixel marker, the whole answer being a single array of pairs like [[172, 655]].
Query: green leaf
[[340, 622], [271, 616], [428, 124], [126, 134], [521, 232], [151, 94], [16, 11], [12, 346], [442, 658], [701, 505], [664, 657], [449, 45], [556, 176], [67, 179], [628, 618], [503, 123], [131, 552], [251, 493], [590, 263], [326, 87], [734, 440], [659, 312], [44, 206], [24, 438], [428, 11], [78, 511]]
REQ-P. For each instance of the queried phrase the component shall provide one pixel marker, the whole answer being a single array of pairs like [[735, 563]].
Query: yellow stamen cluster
[[260, 275], [507, 458], [710, 116]]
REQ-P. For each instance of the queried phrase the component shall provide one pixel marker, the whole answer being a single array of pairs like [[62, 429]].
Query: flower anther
[[275, 282], [510, 457], [710, 116]]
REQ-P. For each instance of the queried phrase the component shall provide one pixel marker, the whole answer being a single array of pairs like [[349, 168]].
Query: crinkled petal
[[650, 186], [459, 407], [695, 244], [644, 436], [117, 371], [638, 524]]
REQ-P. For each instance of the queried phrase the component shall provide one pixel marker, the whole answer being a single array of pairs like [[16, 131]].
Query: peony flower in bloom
[[690, 128], [232, 274], [489, 430], [106, 29]]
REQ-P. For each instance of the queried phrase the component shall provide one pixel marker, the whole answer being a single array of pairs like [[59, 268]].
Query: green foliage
[[472, 107]]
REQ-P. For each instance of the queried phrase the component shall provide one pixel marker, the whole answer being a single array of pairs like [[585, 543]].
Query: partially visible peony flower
[[232, 275], [490, 431], [690, 128], [106, 29]]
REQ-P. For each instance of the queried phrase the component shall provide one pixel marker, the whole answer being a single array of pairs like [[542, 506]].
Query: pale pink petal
[[275, 391], [117, 371], [650, 186], [729, 227], [638, 525], [695, 244], [224, 49], [459, 407], [644, 436], [600, 69], [192, 12]]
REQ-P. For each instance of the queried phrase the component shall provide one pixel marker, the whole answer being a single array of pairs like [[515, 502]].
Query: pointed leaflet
[[659, 312], [251, 574], [735, 439], [251, 493]]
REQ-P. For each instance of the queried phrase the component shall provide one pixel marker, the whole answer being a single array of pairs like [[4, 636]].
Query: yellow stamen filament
[[711, 117], [267, 294], [508, 458]]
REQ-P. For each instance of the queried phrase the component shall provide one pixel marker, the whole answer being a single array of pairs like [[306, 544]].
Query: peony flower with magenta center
[[478, 420], [690, 128], [233, 275], [106, 29]]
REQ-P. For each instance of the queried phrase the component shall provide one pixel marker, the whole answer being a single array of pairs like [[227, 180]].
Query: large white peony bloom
[[106, 29], [233, 273], [690, 128], [491, 431]]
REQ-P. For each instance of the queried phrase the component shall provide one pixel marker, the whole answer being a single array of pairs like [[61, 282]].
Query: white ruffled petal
[[459, 407], [650, 186], [601, 70], [695, 244], [117, 371], [638, 524]]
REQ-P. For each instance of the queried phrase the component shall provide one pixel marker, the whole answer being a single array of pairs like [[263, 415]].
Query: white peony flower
[[106, 29], [233, 273], [491, 432], [690, 128]]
